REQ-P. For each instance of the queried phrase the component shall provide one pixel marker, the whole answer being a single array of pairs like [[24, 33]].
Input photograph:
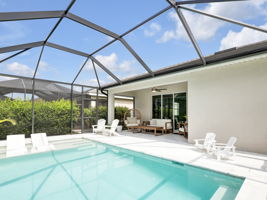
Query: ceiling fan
[[158, 89]]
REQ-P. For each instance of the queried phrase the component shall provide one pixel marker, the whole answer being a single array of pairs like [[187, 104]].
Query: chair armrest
[[222, 146], [166, 125], [125, 122], [219, 144], [94, 126]]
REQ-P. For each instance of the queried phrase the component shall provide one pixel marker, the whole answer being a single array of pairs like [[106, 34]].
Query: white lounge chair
[[227, 150], [40, 143], [100, 127], [15, 145], [111, 130], [206, 143]]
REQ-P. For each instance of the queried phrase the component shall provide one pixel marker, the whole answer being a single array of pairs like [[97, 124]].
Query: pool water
[[103, 172]]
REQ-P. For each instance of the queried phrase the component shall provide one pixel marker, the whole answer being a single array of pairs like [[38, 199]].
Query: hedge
[[102, 112], [51, 117]]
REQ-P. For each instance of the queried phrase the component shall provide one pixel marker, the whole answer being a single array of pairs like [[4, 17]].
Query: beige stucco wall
[[231, 102], [124, 102], [229, 99]]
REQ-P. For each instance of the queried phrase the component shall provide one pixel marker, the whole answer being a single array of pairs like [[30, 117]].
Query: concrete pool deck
[[251, 166]]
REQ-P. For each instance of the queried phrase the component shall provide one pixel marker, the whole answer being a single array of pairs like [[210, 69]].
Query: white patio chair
[[40, 143], [100, 127], [111, 130], [206, 143], [15, 145], [227, 150]]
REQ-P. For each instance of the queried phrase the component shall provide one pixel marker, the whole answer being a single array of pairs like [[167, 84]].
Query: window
[[156, 104]]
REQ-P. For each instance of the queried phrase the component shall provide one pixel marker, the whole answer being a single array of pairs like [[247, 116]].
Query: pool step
[[223, 193]]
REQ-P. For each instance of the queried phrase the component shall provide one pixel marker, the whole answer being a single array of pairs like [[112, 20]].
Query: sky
[[161, 42]]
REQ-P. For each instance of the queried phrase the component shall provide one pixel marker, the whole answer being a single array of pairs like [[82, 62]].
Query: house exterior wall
[[229, 99], [230, 102], [124, 103], [145, 95]]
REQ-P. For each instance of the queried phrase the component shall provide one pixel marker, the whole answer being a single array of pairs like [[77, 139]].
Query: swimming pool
[[103, 172]]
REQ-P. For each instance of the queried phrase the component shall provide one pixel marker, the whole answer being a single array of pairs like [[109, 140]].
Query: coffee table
[[155, 128], [134, 129]]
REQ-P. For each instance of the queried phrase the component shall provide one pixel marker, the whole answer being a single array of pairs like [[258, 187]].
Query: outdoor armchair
[[100, 127], [15, 145], [206, 143], [227, 150], [40, 143], [111, 130]]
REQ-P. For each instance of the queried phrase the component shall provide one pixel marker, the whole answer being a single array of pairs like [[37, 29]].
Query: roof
[[43, 89], [221, 56]]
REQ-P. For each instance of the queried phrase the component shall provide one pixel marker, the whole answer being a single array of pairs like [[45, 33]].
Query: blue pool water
[[98, 171]]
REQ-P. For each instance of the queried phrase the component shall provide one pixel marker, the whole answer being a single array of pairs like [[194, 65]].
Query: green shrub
[[52, 117], [91, 112], [102, 112], [119, 113]]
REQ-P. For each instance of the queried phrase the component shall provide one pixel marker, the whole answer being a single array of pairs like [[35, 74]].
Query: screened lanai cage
[[57, 58]]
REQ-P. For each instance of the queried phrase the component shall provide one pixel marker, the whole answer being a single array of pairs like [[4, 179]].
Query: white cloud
[[44, 66], [245, 36], [112, 63], [152, 29], [109, 38], [92, 82], [204, 27], [20, 69]]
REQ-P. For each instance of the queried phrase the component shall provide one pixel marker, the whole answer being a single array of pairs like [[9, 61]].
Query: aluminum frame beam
[[21, 47], [105, 69], [80, 53], [99, 85], [61, 18], [59, 47], [139, 59], [80, 70], [188, 30], [38, 62], [91, 25], [50, 34], [132, 29], [13, 55], [224, 19], [111, 34], [69, 50], [15, 16], [45, 80]]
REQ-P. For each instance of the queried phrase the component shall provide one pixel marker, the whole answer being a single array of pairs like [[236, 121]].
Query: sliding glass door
[[170, 106], [167, 106]]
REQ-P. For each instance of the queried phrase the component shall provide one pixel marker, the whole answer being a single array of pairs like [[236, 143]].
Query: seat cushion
[[132, 120], [162, 122], [153, 122], [132, 125]]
